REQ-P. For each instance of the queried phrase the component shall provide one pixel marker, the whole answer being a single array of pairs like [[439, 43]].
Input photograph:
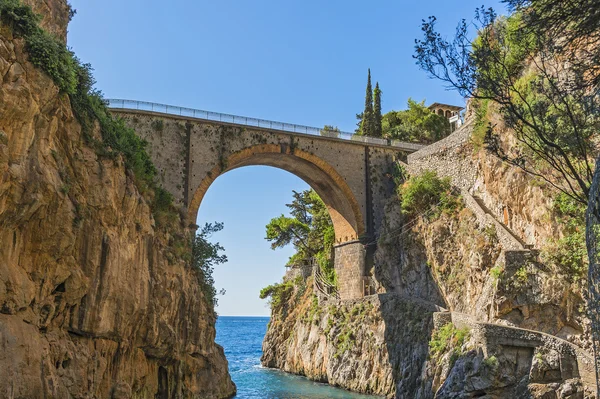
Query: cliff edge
[[92, 301]]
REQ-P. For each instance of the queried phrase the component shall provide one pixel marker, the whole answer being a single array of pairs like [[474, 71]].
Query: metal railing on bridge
[[259, 123]]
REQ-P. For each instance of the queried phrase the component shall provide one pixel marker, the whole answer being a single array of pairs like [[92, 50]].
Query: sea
[[242, 337]]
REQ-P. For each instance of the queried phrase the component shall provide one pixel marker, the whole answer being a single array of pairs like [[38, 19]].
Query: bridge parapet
[[259, 123]]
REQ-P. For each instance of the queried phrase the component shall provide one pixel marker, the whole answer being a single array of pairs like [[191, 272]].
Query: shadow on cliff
[[401, 266]]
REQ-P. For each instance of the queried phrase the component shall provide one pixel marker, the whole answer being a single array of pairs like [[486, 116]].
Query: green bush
[[205, 256], [21, 18], [427, 192], [491, 362], [569, 252], [496, 272], [346, 340], [45, 51], [278, 293], [448, 338], [417, 124], [54, 58]]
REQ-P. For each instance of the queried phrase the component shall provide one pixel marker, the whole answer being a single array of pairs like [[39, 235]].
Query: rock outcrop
[[373, 346], [482, 261], [92, 301]]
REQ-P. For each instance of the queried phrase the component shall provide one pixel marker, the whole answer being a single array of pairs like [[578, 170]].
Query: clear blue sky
[[301, 62]]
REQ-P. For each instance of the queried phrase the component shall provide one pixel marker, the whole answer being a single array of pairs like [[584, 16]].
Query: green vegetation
[[309, 230], [569, 252], [543, 91], [428, 193], [45, 51], [482, 122], [314, 312], [417, 124], [366, 119], [330, 131], [521, 277], [346, 340], [75, 79], [278, 293], [496, 273], [491, 362], [369, 121], [377, 117], [205, 256], [448, 338]]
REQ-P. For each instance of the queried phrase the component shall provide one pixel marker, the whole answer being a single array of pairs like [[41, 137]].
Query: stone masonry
[[354, 179]]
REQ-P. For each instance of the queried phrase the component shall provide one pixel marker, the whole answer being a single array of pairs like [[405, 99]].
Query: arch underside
[[343, 208]]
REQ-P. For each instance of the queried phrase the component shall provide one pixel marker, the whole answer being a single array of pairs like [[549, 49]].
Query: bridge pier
[[350, 268]]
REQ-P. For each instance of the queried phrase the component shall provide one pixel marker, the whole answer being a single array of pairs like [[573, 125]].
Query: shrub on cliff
[[44, 50], [448, 338], [417, 124], [568, 252], [428, 194], [278, 294], [205, 256], [75, 79]]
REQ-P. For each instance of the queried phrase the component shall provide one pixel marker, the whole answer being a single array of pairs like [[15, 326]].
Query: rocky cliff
[[93, 303], [372, 346], [487, 262]]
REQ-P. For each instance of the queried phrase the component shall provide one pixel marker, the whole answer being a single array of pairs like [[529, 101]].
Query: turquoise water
[[241, 337]]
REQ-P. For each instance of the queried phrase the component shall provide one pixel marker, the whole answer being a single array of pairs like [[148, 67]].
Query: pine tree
[[377, 117], [366, 128]]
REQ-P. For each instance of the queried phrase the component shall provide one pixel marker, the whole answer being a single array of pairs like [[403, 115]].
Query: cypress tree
[[367, 117], [377, 117]]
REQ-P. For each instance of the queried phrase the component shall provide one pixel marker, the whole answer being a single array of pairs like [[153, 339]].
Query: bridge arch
[[343, 207]]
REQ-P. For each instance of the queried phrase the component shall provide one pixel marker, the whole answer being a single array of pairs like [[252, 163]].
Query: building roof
[[446, 106]]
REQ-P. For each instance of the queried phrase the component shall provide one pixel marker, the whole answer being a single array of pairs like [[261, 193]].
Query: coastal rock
[[374, 346], [478, 261], [92, 301]]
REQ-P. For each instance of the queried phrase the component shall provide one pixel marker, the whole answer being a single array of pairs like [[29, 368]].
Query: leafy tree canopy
[[540, 90], [417, 124], [308, 229], [205, 256]]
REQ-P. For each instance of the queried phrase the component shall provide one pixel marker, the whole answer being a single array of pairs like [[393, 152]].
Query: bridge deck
[[243, 121]]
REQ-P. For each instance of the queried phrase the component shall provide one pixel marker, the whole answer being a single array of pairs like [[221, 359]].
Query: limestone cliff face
[[476, 262], [373, 346], [92, 302], [530, 291]]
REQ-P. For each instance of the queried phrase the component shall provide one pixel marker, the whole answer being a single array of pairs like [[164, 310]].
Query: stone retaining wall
[[575, 362]]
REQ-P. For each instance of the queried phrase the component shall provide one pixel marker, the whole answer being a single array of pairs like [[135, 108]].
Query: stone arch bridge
[[352, 174]]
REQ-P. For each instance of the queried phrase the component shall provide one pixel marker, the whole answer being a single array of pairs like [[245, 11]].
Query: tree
[[367, 118], [377, 117], [522, 74], [309, 229], [416, 124], [359, 118], [541, 69], [592, 239], [330, 131], [570, 28], [205, 256]]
